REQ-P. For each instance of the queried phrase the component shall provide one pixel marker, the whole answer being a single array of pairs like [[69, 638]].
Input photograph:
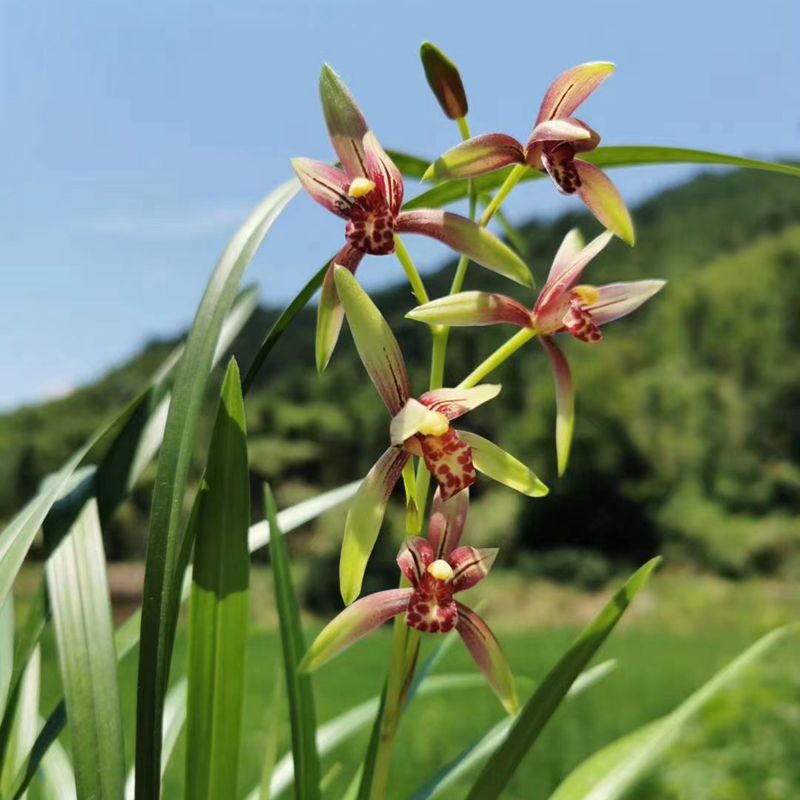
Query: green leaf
[[24, 722], [536, 713], [446, 193], [490, 741], [174, 717], [166, 519], [270, 756], [57, 779], [610, 772], [298, 687], [6, 650], [81, 608], [219, 606], [127, 635]]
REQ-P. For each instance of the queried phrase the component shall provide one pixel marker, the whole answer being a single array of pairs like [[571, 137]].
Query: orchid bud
[[444, 80]]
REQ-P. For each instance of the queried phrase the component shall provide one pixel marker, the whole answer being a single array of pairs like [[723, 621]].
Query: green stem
[[410, 269], [499, 356], [514, 177]]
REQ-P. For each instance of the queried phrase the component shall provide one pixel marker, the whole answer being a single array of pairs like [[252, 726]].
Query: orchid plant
[[437, 564]]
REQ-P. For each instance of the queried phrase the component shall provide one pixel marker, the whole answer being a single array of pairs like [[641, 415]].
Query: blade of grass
[[219, 606], [81, 609], [490, 741], [56, 777], [536, 713], [127, 635], [264, 791], [166, 519], [6, 651], [628, 156], [24, 724], [299, 691], [612, 771]]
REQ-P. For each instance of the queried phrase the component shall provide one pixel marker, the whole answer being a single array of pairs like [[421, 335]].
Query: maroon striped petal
[[564, 129], [470, 566], [468, 238], [454, 403], [565, 401], [375, 342], [564, 274], [326, 184], [447, 521], [346, 124], [571, 88], [364, 520], [488, 655], [477, 156], [329, 311], [618, 299], [414, 558], [354, 623], [472, 308], [383, 172], [604, 201]]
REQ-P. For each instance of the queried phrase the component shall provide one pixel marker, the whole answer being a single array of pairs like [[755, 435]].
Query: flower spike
[[429, 607], [553, 147], [368, 193]]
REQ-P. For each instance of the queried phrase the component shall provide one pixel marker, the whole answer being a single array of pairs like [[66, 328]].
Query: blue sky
[[136, 136]]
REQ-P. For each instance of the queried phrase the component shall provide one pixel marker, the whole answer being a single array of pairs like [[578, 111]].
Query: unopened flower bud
[[444, 80]]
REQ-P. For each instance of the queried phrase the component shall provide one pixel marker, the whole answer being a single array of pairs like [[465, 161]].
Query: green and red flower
[[419, 427], [367, 191], [437, 569], [562, 307], [554, 147]]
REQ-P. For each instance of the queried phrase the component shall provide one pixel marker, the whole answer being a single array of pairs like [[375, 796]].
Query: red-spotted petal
[[572, 88], [566, 274], [604, 201], [414, 558], [449, 459], [565, 401], [472, 308], [579, 322], [470, 566], [346, 124], [355, 622], [496, 463], [375, 342], [466, 237], [329, 311], [383, 172], [447, 521], [454, 403], [364, 520], [477, 156], [618, 299], [559, 162], [488, 655], [326, 184]]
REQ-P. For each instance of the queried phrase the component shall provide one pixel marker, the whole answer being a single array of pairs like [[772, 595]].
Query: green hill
[[688, 428]]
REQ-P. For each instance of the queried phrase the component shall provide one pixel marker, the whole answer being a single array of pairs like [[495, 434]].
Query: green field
[[745, 746]]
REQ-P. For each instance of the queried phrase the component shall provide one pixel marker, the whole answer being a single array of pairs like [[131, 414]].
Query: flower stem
[[499, 356], [410, 269], [514, 177]]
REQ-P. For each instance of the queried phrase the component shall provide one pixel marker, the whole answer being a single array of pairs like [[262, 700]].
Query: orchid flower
[[562, 307], [419, 427], [553, 147], [367, 191], [437, 569]]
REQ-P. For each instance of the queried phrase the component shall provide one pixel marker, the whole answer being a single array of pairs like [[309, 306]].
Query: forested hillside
[[688, 426]]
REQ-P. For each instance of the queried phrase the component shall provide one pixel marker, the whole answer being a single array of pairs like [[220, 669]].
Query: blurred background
[[137, 138]]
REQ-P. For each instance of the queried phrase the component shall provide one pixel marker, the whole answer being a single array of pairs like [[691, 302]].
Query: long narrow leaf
[[490, 741], [166, 519], [298, 687], [6, 651], [609, 773], [81, 608], [629, 156], [536, 713], [57, 778], [219, 606], [127, 635]]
